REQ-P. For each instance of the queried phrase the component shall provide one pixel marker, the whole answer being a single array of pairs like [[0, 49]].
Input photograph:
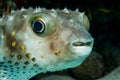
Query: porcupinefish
[[37, 40]]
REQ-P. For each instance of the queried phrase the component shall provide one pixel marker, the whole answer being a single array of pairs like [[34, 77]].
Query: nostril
[[82, 44]]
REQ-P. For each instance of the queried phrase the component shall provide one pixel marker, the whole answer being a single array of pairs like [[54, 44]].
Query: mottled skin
[[63, 43]]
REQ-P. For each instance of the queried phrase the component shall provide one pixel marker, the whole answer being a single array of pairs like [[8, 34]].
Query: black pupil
[[38, 26]]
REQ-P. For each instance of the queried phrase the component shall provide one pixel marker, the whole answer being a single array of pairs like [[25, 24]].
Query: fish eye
[[38, 26], [42, 24]]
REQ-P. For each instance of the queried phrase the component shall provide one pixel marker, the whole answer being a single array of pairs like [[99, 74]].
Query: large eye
[[38, 26], [42, 24]]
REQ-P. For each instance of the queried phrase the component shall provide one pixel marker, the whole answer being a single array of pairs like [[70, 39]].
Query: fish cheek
[[57, 46]]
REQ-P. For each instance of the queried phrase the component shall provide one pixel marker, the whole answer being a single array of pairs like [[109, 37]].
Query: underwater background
[[104, 16]]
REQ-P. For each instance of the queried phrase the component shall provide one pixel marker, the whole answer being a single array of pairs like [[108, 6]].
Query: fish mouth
[[81, 48], [81, 44]]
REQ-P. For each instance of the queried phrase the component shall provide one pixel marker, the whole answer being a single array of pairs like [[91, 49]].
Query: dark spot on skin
[[26, 63], [19, 56], [5, 66], [57, 52], [11, 66], [3, 76], [12, 54], [18, 67], [2, 62], [9, 75], [5, 69], [10, 62], [16, 63], [5, 73], [33, 59], [28, 55], [23, 72], [22, 47], [24, 66], [36, 65]]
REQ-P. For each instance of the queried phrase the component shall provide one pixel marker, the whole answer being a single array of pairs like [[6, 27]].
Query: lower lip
[[81, 50]]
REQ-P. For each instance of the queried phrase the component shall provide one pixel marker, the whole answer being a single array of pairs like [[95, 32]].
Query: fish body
[[37, 40]]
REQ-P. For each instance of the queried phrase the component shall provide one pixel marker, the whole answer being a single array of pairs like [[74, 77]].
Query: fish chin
[[76, 56], [81, 50], [66, 64]]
